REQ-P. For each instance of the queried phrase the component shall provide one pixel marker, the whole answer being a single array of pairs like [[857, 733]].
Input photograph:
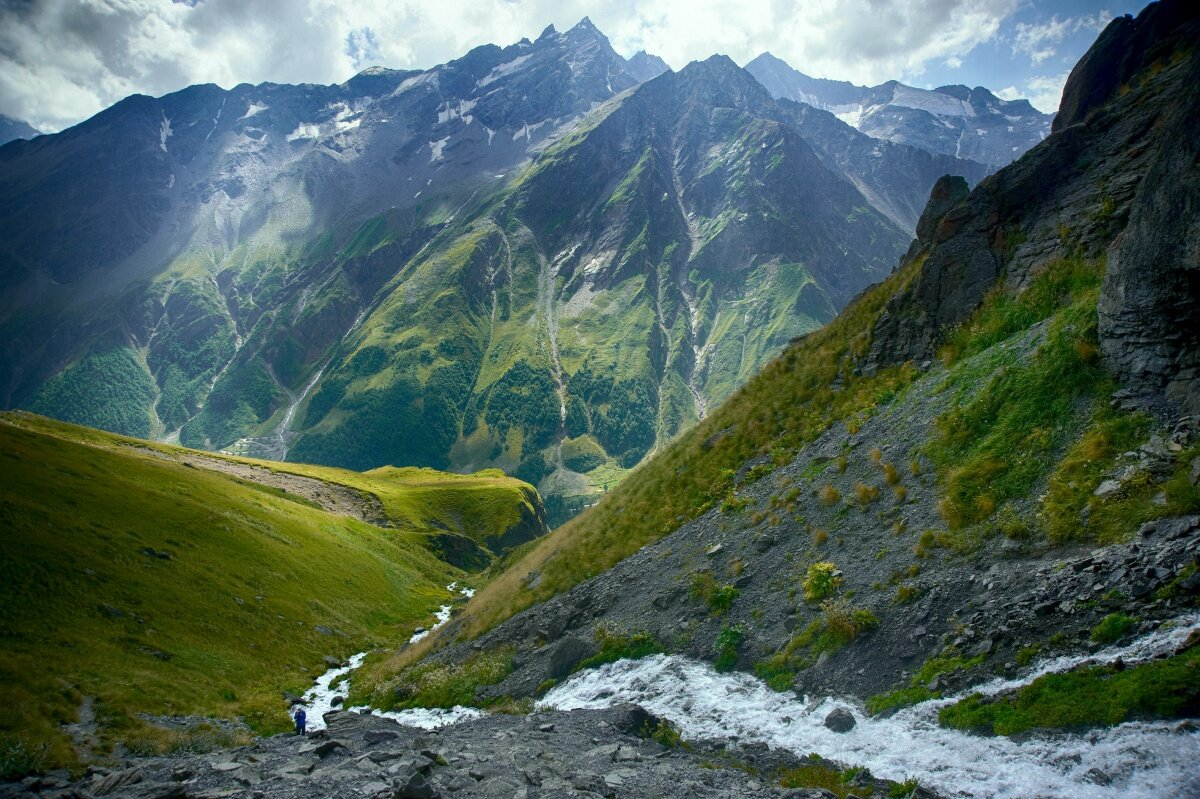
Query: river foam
[[1137, 759]]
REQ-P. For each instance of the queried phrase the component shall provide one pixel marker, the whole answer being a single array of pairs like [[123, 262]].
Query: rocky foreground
[[610, 753]]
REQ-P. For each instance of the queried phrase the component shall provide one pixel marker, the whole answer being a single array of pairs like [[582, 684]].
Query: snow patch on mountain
[[506, 68], [255, 107], [305, 130]]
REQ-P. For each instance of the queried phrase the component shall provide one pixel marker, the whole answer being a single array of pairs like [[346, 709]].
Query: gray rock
[[840, 720], [103, 785], [568, 652], [416, 786]]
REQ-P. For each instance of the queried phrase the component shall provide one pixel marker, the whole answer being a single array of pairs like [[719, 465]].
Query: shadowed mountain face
[[524, 258], [958, 121]]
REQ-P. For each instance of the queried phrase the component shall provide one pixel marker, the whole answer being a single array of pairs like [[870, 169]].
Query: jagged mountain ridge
[[237, 296], [967, 123]]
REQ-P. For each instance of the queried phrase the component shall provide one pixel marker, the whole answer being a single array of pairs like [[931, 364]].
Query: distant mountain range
[[952, 120], [15, 129], [542, 257]]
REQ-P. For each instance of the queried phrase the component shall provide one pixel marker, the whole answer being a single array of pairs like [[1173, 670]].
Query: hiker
[[301, 718]]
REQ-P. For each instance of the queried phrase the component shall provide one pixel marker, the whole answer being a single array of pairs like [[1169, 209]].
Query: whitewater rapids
[[1140, 759]]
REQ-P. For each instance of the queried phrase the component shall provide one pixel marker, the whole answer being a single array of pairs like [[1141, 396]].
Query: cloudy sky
[[63, 60]]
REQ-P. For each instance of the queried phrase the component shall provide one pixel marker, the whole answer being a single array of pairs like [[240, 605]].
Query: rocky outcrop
[[1150, 306], [1117, 179], [1123, 49], [949, 191]]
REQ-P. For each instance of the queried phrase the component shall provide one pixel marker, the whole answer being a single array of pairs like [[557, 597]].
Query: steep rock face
[[884, 171], [1150, 307], [971, 124], [1074, 194], [1127, 46]]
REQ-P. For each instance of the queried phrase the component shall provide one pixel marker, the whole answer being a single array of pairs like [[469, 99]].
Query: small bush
[[664, 733], [820, 536], [907, 593], [901, 493], [914, 466], [903, 790], [829, 495], [876, 456], [821, 580], [865, 494], [734, 503], [891, 474], [1013, 526], [728, 643], [719, 598], [1026, 654], [1113, 628], [842, 463], [19, 757], [843, 623], [775, 673], [616, 646]]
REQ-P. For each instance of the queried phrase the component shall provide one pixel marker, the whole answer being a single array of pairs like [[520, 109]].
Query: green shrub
[[1026, 654], [728, 644], [19, 757], [821, 580], [843, 623], [616, 646], [1113, 628], [719, 598]]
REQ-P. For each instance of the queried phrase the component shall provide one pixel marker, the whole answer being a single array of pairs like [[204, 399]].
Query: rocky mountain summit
[[971, 124]]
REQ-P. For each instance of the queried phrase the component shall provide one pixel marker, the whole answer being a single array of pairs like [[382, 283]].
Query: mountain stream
[[1134, 759]]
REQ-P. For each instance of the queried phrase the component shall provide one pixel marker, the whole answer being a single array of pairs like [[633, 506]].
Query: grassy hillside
[[797, 396], [1020, 450], [150, 586]]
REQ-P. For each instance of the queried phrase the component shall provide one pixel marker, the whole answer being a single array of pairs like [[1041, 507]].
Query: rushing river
[[1135, 759]]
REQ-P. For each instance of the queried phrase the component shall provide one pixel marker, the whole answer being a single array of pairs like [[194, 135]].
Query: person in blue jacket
[[301, 718]]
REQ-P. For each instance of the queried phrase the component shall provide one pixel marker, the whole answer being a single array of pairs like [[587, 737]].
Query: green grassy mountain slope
[[521, 259], [142, 578], [575, 324]]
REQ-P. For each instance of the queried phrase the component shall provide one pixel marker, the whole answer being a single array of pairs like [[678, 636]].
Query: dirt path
[[339, 499], [334, 498]]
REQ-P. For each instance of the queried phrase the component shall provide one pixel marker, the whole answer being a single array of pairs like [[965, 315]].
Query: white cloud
[[63, 60], [1045, 91], [1037, 40], [1009, 93]]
